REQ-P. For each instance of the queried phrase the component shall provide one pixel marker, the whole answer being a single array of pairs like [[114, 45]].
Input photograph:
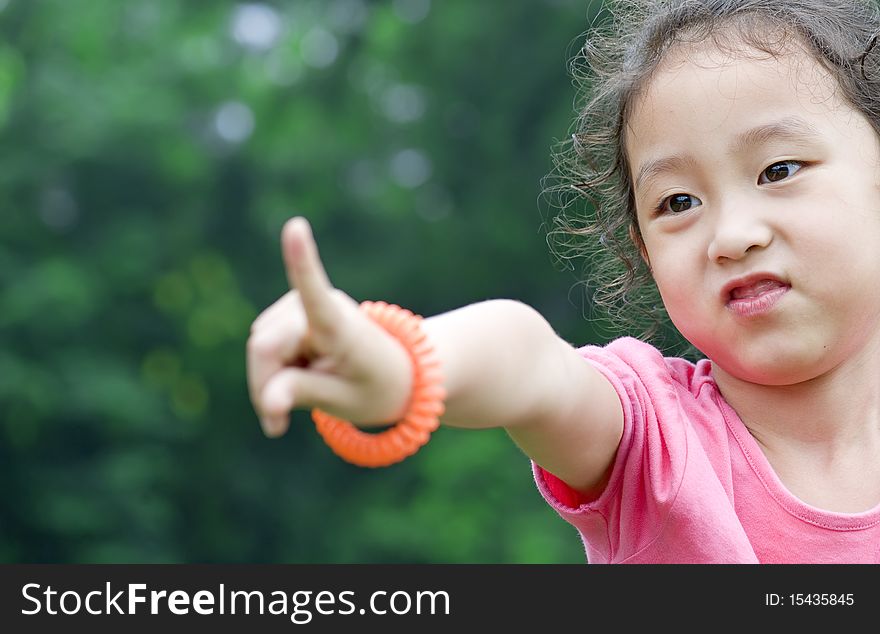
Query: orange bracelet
[[422, 415]]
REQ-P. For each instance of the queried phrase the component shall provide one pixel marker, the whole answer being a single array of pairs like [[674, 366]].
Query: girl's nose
[[736, 230]]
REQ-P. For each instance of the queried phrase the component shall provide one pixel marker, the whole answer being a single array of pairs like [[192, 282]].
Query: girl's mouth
[[755, 290], [756, 299]]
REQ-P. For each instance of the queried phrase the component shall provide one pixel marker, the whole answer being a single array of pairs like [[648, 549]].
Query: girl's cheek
[[670, 271], [679, 290]]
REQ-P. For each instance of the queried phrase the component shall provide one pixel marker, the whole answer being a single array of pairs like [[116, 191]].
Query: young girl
[[735, 147]]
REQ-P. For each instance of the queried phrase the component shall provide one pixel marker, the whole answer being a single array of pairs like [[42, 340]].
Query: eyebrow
[[794, 129]]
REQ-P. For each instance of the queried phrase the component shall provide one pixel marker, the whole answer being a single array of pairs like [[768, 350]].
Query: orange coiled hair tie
[[425, 407]]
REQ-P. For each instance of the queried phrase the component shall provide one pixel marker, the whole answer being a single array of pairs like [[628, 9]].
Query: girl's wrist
[[425, 393], [392, 393]]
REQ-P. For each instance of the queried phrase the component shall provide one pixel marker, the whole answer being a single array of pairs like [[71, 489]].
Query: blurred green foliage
[[151, 151]]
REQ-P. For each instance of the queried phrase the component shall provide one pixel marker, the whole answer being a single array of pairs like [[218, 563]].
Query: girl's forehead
[[790, 60], [702, 83], [706, 107]]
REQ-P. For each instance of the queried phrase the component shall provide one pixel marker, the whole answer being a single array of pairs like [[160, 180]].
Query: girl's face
[[747, 165]]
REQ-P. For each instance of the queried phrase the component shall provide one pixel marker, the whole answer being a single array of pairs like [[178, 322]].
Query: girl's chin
[[768, 366]]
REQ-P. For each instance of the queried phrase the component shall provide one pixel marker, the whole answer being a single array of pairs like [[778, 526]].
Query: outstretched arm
[[506, 367], [503, 366]]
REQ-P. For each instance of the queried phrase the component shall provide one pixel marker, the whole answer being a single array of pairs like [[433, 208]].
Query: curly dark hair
[[590, 186]]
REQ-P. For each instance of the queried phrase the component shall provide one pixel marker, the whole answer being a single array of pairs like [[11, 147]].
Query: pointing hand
[[314, 347]]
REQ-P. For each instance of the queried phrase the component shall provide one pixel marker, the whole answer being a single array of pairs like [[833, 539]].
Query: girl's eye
[[677, 203], [779, 171]]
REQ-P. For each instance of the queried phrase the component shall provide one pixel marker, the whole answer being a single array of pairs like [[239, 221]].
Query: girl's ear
[[636, 238]]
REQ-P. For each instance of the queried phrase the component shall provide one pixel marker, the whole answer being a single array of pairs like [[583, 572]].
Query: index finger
[[305, 272]]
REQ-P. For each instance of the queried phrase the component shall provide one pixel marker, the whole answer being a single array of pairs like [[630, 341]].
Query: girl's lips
[[743, 283], [759, 304]]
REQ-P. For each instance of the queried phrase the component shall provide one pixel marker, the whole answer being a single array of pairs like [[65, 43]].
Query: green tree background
[[151, 151]]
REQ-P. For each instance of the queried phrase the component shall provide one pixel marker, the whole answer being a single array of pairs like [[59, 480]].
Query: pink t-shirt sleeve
[[648, 468]]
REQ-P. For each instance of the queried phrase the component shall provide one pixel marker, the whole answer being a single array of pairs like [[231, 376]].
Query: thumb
[[306, 273], [294, 387]]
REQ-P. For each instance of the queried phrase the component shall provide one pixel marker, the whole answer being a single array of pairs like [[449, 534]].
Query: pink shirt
[[690, 484]]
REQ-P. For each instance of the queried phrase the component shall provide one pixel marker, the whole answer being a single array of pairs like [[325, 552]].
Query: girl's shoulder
[[637, 358]]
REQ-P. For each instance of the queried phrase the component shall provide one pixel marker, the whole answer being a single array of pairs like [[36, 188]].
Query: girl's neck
[[822, 436], [826, 415]]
